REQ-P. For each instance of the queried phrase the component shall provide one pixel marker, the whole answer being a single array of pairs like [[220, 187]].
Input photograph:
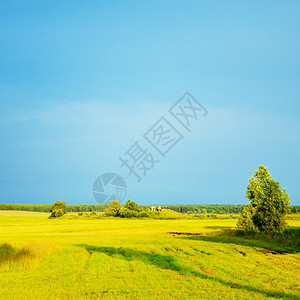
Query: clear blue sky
[[81, 81]]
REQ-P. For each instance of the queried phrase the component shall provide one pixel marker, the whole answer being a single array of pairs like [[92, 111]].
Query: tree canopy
[[268, 205], [58, 209]]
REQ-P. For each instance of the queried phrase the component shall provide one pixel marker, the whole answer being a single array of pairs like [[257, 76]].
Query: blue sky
[[81, 81]]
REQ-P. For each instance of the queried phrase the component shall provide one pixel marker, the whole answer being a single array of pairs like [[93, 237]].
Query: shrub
[[6, 251], [212, 216], [93, 213], [127, 213], [114, 208], [132, 205], [143, 214], [80, 213], [52, 215], [59, 205], [58, 209], [59, 213]]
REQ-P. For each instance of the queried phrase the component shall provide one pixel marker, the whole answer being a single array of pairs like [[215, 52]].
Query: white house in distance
[[153, 208]]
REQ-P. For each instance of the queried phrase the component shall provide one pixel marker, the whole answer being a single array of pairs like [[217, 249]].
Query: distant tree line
[[206, 208], [188, 209], [47, 207]]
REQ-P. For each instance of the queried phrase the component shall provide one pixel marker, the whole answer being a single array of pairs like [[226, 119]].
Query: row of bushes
[[129, 210], [115, 209]]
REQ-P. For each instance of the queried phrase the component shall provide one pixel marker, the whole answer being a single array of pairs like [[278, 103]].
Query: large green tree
[[268, 205]]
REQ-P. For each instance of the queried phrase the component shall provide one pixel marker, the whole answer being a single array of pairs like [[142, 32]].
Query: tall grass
[[290, 237], [12, 258]]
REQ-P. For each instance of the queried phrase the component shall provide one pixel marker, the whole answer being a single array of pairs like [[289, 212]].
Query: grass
[[112, 258], [290, 238]]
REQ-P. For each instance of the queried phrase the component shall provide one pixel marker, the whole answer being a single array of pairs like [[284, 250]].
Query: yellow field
[[112, 258]]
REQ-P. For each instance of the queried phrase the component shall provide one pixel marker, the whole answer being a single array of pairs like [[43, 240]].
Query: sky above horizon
[[82, 81]]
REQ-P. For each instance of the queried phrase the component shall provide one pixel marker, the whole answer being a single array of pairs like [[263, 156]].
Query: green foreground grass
[[112, 258]]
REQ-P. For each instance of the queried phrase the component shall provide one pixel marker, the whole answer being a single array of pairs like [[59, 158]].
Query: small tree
[[59, 213], [268, 205], [132, 205], [114, 208], [127, 213], [58, 209], [59, 205]]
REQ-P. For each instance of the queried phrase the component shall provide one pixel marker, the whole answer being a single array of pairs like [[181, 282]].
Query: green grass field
[[112, 258]]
